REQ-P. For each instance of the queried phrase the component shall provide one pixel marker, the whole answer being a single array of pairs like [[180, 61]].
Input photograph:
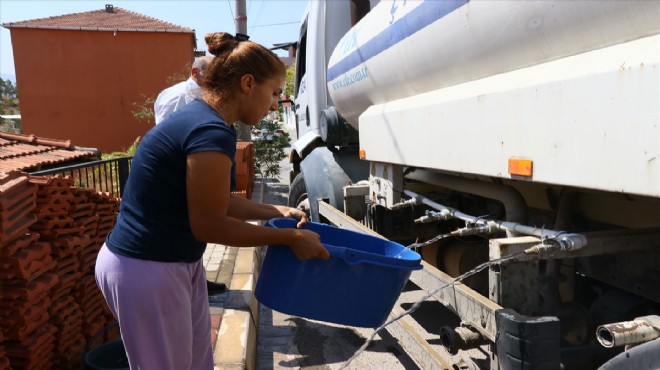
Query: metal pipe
[[549, 288], [514, 203], [442, 208], [639, 330], [565, 241], [460, 338]]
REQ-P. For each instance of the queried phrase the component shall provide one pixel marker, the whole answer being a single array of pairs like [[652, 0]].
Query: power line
[[232, 12], [258, 15], [273, 24]]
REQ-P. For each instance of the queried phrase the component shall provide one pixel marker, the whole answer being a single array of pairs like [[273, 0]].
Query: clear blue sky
[[269, 21]]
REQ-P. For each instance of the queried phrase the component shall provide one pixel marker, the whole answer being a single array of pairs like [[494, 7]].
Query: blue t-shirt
[[153, 221]]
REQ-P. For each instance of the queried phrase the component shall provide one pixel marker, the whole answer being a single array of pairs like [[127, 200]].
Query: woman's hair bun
[[216, 42]]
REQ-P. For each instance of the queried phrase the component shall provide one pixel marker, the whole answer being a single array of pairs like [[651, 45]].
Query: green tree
[[7, 89], [8, 98], [290, 77], [268, 154], [144, 109]]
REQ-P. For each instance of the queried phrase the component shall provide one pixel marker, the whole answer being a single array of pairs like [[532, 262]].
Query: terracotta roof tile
[[117, 19], [31, 153]]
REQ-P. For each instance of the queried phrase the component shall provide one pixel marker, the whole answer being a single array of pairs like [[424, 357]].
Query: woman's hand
[[306, 244], [290, 212]]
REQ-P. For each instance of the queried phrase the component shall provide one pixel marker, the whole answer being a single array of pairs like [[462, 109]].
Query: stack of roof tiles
[[31, 153], [50, 233], [244, 161], [4, 361], [27, 278]]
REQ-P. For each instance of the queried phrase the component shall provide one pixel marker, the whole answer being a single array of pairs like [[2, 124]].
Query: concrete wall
[[81, 85]]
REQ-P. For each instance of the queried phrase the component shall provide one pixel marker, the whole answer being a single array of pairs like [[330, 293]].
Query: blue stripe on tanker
[[423, 15]]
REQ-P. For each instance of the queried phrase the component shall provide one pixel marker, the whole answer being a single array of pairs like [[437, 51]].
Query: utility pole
[[241, 27]]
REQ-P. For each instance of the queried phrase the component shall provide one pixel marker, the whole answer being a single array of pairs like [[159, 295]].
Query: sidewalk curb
[[236, 344]]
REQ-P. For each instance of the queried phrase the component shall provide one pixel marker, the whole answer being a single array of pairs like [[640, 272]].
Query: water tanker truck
[[483, 130]]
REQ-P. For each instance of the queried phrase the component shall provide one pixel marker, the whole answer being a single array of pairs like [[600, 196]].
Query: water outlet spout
[[560, 243], [639, 330], [460, 338]]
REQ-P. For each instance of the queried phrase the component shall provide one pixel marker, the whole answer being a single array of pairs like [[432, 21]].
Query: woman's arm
[[209, 204], [245, 209]]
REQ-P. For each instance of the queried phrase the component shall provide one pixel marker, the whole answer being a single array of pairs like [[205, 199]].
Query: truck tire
[[298, 194]]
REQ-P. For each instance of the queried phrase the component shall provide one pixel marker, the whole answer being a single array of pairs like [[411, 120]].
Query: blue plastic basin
[[358, 286]]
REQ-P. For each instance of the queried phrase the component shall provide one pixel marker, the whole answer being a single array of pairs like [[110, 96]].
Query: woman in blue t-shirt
[[177, 199]]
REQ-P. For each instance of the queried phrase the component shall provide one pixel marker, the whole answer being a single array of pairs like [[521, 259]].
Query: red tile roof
[[31, 153], [118, 19]]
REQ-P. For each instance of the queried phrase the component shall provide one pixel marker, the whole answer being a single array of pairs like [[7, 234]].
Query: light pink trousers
[[162, 309]]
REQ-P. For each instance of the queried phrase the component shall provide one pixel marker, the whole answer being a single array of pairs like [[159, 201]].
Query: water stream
[[417, 304], [419, 245]]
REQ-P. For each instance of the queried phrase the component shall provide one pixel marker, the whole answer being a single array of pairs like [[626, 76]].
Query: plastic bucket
[[358, 286], [108, 356]]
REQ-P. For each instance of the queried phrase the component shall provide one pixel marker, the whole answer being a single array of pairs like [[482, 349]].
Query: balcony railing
[[108, 175]]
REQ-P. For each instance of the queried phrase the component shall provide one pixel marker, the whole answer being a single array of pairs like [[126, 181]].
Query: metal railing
[[108, 175]]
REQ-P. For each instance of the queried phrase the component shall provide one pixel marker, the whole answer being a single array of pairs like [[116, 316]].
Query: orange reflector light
[[363, 154], [520, 167]]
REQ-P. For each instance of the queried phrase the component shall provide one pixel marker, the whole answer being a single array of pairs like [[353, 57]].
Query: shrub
[[268, 154]]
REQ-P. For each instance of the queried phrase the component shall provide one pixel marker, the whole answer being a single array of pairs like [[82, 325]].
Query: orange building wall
[[81, 85]]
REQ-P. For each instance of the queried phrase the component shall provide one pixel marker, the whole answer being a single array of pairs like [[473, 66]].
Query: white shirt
[[175, 97]]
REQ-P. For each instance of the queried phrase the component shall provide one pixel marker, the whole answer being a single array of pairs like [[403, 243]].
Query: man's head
[[199, 68]]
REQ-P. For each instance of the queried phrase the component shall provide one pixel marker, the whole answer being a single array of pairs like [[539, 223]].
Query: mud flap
[[527, 343]]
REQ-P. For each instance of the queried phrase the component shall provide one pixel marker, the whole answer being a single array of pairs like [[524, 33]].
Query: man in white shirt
[[175, 97]]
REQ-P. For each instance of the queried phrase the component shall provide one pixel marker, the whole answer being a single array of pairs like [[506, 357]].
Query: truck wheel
[[298, 194]]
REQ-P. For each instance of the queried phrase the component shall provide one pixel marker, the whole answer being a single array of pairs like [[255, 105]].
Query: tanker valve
[[564, 242], [460, 338], [432, 216], [406, 204], [489, 227], [628, 333]]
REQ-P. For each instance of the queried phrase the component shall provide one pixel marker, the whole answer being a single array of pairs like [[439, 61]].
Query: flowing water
[[416, 305], [419, 245]]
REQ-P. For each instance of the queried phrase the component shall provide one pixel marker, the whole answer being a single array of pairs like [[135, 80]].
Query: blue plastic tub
[[358, 286]]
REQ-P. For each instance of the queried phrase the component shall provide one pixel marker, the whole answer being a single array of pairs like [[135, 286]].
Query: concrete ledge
[[243, 283], [236, 344], [237, 341]]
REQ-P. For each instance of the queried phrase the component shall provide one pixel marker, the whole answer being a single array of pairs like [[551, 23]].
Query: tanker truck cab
[[325, 157]]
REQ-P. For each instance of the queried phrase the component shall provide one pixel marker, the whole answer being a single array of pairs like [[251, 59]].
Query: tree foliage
[[7, 89], [268, 154], [126, 152], [9, 105], [144, 109], [290, 77]]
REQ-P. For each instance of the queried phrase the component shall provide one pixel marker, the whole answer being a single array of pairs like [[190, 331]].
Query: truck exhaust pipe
[[639, 330]]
